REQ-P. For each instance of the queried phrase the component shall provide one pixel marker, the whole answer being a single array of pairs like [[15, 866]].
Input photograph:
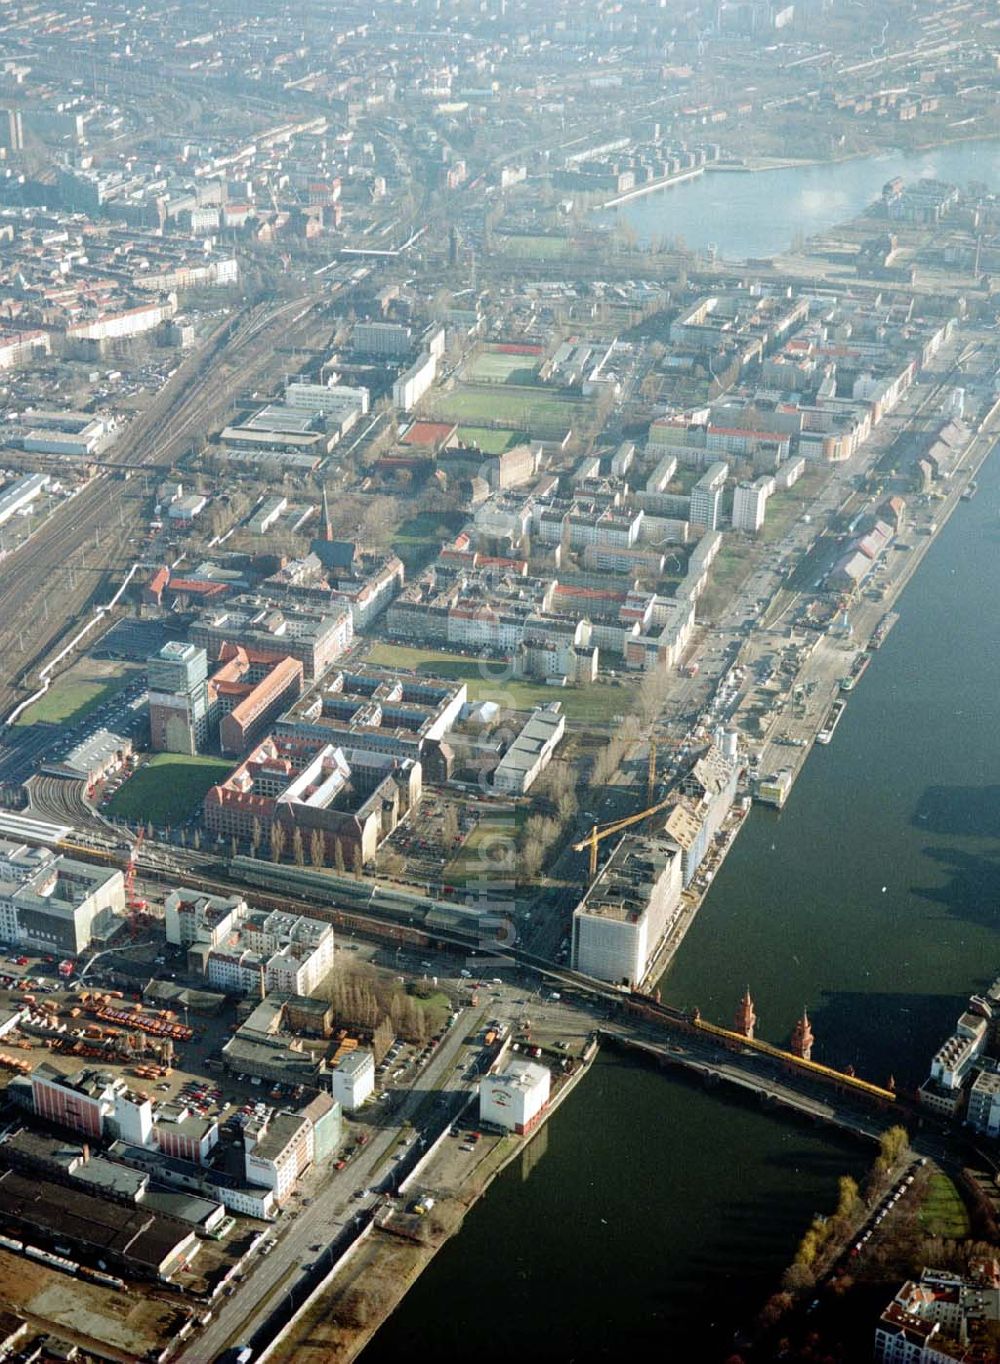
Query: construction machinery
[[599, 833], [135, 903]]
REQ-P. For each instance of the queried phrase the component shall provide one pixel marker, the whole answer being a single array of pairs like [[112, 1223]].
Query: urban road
[[320, 1228]]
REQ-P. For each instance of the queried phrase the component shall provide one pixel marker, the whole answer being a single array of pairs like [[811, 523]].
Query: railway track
[[51, 579]]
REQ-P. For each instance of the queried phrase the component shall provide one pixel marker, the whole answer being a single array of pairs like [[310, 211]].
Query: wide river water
[[758, 214], [651, 1215]]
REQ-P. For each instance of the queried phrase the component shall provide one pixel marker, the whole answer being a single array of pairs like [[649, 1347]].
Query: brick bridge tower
[[746, 1018], [802, 1038]]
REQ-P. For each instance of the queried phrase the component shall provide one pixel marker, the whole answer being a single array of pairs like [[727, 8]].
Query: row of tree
[[379, 1010]]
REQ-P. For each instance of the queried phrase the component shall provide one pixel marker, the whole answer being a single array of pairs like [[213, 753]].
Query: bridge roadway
[[757, 1075]]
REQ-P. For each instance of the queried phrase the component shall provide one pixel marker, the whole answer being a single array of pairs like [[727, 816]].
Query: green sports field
[[526, 247], [532, 408], [492, 441], [496, 367]]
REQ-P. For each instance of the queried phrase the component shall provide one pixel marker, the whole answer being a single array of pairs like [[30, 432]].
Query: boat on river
[[831, 722]]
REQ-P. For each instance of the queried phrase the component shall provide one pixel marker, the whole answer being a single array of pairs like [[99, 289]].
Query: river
[[757, 214], [652, 1215]]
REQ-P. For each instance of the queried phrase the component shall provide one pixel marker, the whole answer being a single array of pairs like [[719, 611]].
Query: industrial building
[[206, 1183], [20, 494], [530, 753], [381, 338], [93, 758], [516, 1098], [352, 1079], [52, 903], [92, 1102], [134, 1241], [627, 910], [265, 1046], [277, 1151]]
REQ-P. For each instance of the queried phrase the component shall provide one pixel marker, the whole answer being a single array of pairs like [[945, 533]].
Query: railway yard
[[73, 560]]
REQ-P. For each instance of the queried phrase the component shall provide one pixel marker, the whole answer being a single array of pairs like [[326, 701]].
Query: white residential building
[[942, 1318], [290, 953], [750, 504], [414, 382], [706, 496], [191, 917]]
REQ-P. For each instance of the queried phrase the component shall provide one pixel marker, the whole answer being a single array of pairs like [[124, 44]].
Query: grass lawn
[[731, 566], [487, 854], [71, 698], [534, 409], [169, 788], [499, 368], [784, 509], [490, 441], [488, 681], [419, 539], [943, 1212]]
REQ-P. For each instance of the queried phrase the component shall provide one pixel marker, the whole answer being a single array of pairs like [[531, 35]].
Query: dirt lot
[[122, 1325]]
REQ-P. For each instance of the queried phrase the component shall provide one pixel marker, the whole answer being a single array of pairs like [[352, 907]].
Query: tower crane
[[599, 833], [134, 903]]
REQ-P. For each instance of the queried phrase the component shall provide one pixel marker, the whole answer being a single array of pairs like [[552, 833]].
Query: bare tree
[[277, 841], [317, 849], [449, 824], [298, 851]]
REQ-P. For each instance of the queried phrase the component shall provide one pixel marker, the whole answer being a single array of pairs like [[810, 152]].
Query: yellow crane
[[597, 834]]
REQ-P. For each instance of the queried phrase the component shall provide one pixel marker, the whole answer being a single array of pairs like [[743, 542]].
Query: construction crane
[[136, 904], [598, 834]]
